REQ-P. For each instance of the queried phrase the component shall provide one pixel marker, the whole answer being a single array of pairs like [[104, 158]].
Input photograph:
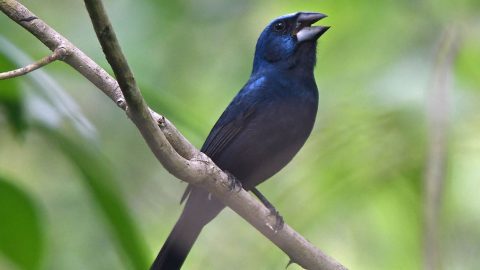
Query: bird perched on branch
[[261, 130]]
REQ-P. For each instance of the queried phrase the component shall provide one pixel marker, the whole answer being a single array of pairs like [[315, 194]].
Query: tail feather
[[178, 245], [199, 210]]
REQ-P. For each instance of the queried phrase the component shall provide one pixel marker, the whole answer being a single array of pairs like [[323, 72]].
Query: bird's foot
[[279, 222], [234, 184], [273, 212]]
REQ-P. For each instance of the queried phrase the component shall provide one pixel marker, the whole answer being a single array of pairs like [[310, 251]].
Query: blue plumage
[[263, 127]]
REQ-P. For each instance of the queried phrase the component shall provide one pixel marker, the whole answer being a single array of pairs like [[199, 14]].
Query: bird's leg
[[234, 183], [273, 212]]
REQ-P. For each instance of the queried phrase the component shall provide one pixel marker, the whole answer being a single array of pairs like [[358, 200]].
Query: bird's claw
[[279, 222], [234, 184]]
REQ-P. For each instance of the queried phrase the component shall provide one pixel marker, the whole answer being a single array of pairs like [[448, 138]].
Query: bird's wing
[[231, 122], [229, 125]]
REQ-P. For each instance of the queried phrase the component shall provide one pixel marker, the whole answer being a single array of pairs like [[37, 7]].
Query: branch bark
[[437, 120], [57, 54], [170, 147]]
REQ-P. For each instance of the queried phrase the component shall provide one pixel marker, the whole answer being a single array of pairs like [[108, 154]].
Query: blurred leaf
[[21, 238], [11, 99], [101, 185], [60, 103]]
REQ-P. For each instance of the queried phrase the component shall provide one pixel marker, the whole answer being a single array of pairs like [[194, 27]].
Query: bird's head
[[289, 42]]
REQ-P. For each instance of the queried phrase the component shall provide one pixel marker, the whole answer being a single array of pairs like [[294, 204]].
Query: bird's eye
[[279, 26]]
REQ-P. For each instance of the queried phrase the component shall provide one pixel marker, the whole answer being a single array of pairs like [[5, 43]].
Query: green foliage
[[11, 100], [100, 183], [467, 63], [21, 232], [57, 108]]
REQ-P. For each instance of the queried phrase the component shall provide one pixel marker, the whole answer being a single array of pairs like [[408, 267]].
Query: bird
[[262, 128]]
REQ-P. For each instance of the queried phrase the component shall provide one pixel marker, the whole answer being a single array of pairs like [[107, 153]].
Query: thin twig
[[75, 57], [437, 120], [57, 54], [171, 148]]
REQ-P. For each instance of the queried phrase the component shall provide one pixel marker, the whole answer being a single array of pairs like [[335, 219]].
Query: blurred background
[[399, 108]]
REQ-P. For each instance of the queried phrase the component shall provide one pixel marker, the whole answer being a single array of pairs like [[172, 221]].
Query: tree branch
[[75, 58], [171, 148], [136, 106], [437, 120], [57, 54]]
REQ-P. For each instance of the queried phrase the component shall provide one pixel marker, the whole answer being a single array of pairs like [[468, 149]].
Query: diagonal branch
[[53, 40], [57, 54], [136, 105], [171, 148]]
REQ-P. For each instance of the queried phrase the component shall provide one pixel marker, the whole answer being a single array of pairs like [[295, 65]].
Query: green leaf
[[100, 183], [11, 99], [21, 238], [57, 107]]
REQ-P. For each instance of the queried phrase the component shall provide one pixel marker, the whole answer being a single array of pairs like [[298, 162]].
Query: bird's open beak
[[304, 31]]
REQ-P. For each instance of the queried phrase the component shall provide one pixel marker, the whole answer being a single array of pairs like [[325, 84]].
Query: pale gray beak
[[304, 30]]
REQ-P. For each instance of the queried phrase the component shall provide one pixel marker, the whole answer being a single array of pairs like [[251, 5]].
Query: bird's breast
[[275, 133]]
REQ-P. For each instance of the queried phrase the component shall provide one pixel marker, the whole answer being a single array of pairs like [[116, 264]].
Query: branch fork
[[58, 54]]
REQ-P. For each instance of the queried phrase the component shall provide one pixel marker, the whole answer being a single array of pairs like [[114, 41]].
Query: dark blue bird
[[263, 127]]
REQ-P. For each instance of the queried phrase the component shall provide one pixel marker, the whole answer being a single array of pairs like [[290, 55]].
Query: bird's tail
[[199, 210], [178, 244]]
